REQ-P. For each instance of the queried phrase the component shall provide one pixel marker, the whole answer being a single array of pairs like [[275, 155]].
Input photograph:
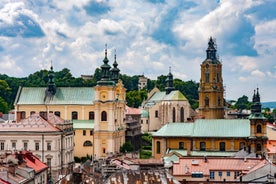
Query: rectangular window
[[13, 145], [48, 146], [49, 162], [2, 146], [228, 173], [220, 173], [156, 114], [84, 132], [147, 121], [141, 121], [236, 174], [212, 174], [202, 146], [36, 146], [181, 145], [91, 132], [158, 147], [25, 145]]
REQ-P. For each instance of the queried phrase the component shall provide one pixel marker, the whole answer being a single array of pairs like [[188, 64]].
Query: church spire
[[256, 107], [115, 71], [106, 79], [211, 50], [169, 82], [51, 85]]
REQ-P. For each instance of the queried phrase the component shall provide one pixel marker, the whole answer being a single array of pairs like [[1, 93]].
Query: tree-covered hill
[[64, 78]]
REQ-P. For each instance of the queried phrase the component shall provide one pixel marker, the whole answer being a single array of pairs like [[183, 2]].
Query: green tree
[[5, 91], [243, 103], [135, 98], [127, 147], [4, 108]]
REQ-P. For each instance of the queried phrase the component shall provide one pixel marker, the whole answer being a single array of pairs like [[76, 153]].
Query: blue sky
[[149, 37]]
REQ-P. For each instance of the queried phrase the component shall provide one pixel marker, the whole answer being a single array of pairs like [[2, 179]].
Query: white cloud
[[9, 66], [258, 73]]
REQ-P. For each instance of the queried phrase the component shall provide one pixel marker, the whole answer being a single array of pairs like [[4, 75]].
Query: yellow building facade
[[97, 112], [211, 101]]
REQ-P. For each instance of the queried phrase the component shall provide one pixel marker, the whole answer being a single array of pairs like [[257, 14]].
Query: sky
[[149, 36]]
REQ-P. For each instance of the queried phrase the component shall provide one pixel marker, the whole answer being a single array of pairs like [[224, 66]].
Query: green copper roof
[[207, 128], [63, 95], [175, 95], [222, 128], [83, 124], [162, 96], [175, 129]]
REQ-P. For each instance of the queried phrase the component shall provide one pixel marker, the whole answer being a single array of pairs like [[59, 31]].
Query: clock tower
[[211, 101]]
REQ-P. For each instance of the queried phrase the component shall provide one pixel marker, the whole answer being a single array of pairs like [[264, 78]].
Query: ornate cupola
[[51, 86], [169, 82], [115, 71], [212, 52], [256, 108], [106, 78]]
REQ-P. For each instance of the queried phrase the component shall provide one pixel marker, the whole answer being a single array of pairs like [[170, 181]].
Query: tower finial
[[105, 50], [114, 55]]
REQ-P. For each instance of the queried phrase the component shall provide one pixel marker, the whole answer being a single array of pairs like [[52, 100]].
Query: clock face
[[103, 96]]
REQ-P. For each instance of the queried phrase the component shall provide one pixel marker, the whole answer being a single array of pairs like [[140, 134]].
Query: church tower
[[258, 137], [109, 103], [211, 101]]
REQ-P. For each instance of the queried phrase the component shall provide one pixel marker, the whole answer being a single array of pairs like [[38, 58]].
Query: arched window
[[206, 101], [259, 128], [207, 76], [158, 150], [104, 116], [181, 145], [91, 115], [182, 114], [202, 146], [259, 147], [173, 114], [219, 101], [87, 143], [57, 113], [74, 115], [222, 146]]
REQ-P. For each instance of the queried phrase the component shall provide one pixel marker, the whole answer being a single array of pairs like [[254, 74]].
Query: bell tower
[[211, 101], [109, 103], [258, 137]]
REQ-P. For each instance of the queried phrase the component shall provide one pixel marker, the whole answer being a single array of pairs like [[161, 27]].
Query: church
[[210, 134], [97, 112]]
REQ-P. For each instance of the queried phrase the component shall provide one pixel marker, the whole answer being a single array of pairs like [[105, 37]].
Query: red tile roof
[[131, 110], [188, 165], [34, 162], [271, 146]]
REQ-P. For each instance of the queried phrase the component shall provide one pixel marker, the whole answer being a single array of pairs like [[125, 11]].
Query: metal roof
[[162, 96], [175, 130], [207, 128], [64, 95], [221, 128], [83, 124]]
